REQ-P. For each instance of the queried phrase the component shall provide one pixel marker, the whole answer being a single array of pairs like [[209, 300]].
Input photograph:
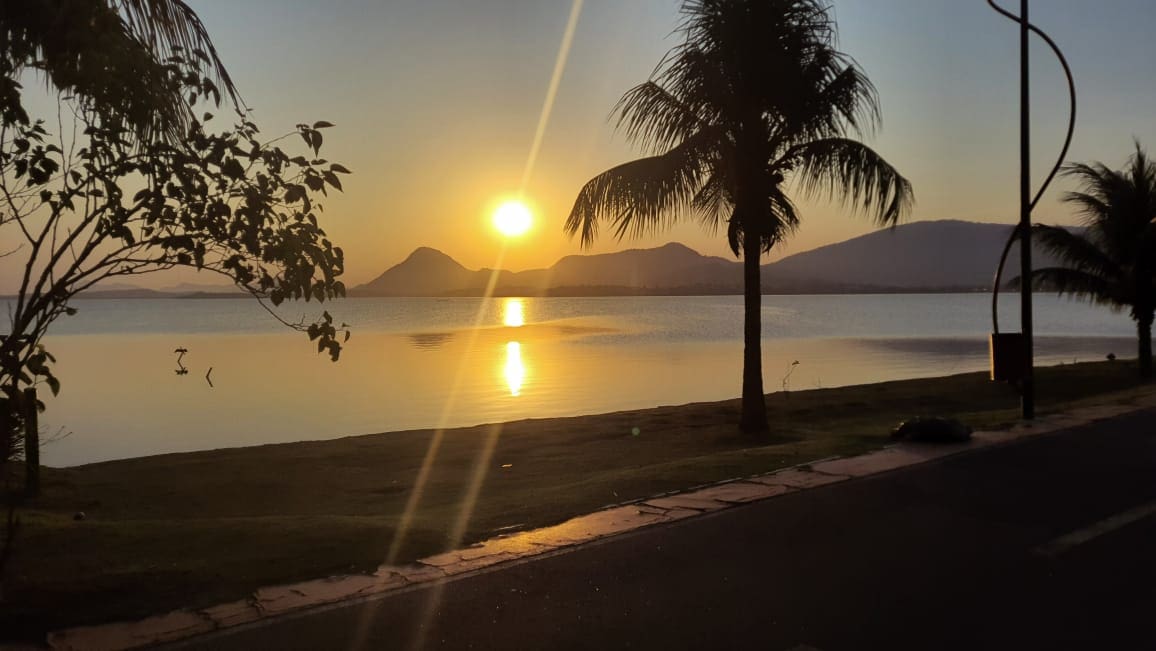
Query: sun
[[512, 218]]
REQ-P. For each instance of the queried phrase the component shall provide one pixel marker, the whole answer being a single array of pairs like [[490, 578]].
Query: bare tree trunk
[[754, 416], [1144, 330]]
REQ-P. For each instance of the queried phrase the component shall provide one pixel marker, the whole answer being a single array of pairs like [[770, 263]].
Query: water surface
[[417, 363]]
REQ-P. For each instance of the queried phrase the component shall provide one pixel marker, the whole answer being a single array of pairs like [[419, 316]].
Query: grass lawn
[[201, 528]]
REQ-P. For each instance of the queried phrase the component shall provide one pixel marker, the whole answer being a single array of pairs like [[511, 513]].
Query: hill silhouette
[[934, 255], [947, 255], [426, 272]]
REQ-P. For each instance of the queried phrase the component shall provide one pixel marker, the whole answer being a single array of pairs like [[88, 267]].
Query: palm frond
[[1089, 206], [757, 24], [778, 219], [712, 203], [1074, 283], [1142, 171], [784, 215], [702, 83], [766, 77], [112, 54], [642, 196], [848, 102], [1118, 207], [853, 173], [736, 233], [1076, 252], [652, 116], [166, 25], [735, 236], [749, 57]]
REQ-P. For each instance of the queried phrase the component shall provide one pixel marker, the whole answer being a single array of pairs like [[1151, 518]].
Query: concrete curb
[[275, 601]]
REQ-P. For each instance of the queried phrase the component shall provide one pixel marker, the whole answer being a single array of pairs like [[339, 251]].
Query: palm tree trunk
[[1144, 330], [754, 414]]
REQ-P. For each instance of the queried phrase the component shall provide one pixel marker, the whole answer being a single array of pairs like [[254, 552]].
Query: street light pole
[[1027, 398]]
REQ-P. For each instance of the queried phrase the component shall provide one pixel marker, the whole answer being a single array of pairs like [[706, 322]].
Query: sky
[[437, 102]]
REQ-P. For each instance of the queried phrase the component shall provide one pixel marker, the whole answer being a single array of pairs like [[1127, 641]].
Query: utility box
[[1009, 359]]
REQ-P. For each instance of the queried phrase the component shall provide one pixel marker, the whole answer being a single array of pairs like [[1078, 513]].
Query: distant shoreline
[[561, 292], [610, 291]]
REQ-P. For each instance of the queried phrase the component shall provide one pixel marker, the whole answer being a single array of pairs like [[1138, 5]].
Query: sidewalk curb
[[296, 599]]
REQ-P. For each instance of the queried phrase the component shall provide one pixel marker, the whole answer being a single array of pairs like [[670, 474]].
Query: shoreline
[[201, 528], [942, 345]]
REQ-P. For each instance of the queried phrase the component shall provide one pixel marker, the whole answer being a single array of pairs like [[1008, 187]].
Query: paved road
[[944, 555]]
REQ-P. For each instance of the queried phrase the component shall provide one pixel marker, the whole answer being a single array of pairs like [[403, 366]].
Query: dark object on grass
[[78, 516], [932, 429]]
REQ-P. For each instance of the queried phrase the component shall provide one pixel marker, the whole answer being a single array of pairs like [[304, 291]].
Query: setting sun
[[512, 218]]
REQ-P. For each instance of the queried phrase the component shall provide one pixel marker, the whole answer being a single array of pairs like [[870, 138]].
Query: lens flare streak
[[552, 90], [481, 466]]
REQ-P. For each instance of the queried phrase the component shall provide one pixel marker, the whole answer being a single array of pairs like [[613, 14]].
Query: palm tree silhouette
[[112, 55], [755, 98], [1113, 261]]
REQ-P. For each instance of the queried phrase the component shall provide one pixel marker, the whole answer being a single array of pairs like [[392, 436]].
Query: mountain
[[934, 255], [670, 266], [426, 272], [203, 288], [921, 256], [673, 268], [944, 255], [122, 291], [180, 290]]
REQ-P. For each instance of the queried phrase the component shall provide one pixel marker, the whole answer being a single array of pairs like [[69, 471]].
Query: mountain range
[[180, 290], [944, 255]]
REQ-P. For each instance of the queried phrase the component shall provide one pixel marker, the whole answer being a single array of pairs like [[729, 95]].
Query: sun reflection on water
[[514, 313], [515, 370]]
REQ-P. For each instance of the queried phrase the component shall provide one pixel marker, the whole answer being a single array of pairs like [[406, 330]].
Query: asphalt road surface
[[1048, 543]]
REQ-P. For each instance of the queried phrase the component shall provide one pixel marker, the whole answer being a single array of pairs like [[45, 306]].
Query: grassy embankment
[[201, 528]]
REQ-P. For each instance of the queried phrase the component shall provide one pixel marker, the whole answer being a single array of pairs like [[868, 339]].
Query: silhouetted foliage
[[755, 99], [127, 66], [106, 204], [1113, 260], [111, 55]]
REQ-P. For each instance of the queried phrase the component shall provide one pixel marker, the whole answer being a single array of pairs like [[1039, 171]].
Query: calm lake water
[[417, 363]]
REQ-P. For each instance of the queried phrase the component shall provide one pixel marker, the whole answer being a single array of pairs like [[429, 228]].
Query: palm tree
[[757, 96], [111, 54], [1113, 261]]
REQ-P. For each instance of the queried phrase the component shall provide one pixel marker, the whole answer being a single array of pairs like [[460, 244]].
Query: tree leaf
[[233, 168]]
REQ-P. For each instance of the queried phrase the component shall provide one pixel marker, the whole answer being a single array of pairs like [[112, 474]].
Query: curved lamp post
[[1012, 354]]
